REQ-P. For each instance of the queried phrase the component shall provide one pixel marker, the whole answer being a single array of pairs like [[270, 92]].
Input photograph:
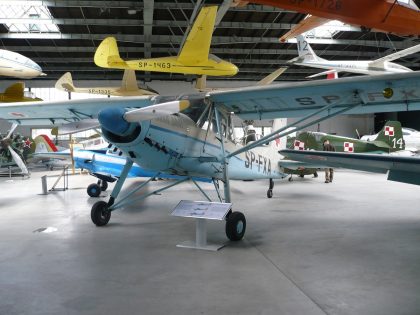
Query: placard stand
[[201, 211]]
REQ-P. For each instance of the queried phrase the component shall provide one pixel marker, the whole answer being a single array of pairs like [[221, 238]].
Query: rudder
[[392, 135]]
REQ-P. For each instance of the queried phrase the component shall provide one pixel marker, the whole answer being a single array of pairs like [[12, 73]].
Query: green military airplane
[[390, 139]]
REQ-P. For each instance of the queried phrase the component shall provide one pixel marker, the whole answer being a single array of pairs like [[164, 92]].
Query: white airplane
[[411, 139], [16, 65], [307, 57]]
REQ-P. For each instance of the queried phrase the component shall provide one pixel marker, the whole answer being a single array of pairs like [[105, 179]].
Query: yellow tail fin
[[107, 54], [65, 83], [197, 45], [15, 90], [271, 77]]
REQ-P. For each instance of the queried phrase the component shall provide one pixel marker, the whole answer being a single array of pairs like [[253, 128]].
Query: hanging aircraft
[[307, 57], [194, 57], [193, 136], [16, 65], [128, 86], [16, 93], [378, 15]]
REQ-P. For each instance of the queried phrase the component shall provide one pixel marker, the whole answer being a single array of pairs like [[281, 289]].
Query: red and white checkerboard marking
[[348, 147], [389, 131], [299, 145]]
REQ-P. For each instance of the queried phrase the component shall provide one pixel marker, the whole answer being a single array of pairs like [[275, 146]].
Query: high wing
[[309, 23], [360, 94], [399, 54], [63, 112], [401, 168]]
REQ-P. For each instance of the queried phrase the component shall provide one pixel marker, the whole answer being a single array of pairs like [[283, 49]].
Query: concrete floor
[[350, 247]]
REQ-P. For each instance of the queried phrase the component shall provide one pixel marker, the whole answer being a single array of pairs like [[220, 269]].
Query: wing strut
[[284, 132], [225, 159]]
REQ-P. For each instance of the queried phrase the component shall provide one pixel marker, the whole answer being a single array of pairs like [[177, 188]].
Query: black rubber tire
[[93, 190], [290, 179], [302, 175], [104, 185], [315, 174], [100, 214], [270, 193], [235, 226]]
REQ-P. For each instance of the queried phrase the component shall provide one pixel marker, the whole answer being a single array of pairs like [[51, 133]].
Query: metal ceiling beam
[[133, 4], [217, 40], [218, 51], [159, 23]]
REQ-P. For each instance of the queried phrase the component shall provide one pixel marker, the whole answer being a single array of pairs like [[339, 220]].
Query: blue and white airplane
[[193, 135]]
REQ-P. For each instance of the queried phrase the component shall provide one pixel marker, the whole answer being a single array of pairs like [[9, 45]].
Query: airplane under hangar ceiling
[[62, 36]]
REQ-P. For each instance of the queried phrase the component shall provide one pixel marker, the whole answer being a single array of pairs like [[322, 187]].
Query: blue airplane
[[193, 135], [107, 165]]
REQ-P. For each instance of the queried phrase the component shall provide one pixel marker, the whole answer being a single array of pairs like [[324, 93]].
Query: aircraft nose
[[112, 119]]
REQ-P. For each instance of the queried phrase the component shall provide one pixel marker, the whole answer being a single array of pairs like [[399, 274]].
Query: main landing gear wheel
[[94, 190], [104, 185], [100, 214], [270, 193], [235, 226], [302, 175]]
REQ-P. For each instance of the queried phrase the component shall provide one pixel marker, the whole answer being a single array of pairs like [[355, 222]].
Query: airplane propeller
[[6, 143]]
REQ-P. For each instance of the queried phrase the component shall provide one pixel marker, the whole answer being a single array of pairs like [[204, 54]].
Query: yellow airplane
[[194, 57], [15, 93], [128, 86]]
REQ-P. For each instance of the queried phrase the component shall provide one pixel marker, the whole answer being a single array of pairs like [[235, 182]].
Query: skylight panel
[[21, 18]]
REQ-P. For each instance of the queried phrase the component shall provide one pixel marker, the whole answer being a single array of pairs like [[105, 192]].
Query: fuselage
[[15, 65], [362, 67], [176, 145]]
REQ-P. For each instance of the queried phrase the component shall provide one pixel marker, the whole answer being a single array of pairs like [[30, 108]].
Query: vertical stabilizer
[[280, 143], [15, 90], [305, 50], [391, 134]]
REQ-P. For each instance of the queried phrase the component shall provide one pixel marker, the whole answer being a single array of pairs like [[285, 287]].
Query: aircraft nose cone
[[112, 119]]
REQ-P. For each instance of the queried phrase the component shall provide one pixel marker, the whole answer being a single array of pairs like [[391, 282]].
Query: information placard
[[202, 209]]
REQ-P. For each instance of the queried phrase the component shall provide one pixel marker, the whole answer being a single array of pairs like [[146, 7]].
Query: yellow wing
[[197, 45]]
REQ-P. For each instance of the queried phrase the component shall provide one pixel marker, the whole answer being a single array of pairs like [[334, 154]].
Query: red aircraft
[[388, 16]]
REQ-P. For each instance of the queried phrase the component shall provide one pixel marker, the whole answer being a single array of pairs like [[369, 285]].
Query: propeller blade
[[11, 130], [18, 161], [156, 111]]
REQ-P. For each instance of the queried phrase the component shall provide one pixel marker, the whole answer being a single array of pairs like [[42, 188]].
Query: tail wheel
[[94, 190], [235, 226], [100, 214]]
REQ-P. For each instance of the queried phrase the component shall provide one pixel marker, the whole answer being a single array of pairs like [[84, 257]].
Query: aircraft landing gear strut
[[270, 188], [235, 220]]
